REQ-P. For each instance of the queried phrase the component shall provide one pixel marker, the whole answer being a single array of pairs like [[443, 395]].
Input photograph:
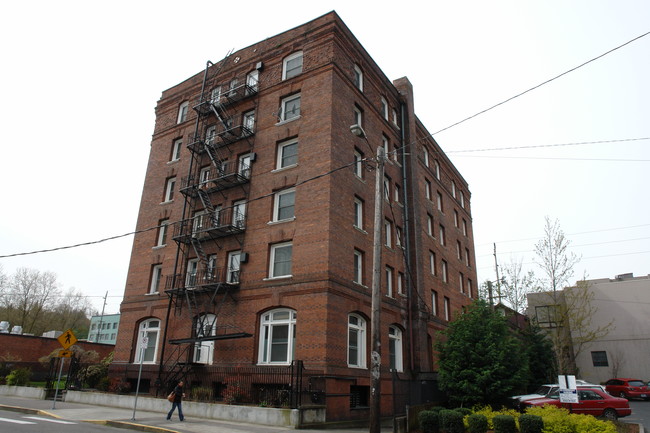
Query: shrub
[[530, 423], [504, 424], [559, 420], [103, 384], [477, 423], [19, 377], [451, 421], [428, 421], [202, 393], [464, 411], [490, 414]]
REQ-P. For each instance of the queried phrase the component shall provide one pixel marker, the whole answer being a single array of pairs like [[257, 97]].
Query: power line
[[541, 84], [548, 145]]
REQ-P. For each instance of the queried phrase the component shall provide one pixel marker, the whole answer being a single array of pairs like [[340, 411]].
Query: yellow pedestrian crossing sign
[[67, 339]]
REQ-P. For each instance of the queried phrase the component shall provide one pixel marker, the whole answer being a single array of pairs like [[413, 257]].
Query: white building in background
[[103, 329], [624, 351]]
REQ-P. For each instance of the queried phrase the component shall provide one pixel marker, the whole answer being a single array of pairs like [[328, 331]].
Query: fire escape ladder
[[178, 365], [205, 199], [198, 249]]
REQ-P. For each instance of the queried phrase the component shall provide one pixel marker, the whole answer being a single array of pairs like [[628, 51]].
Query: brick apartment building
[[254, 251]]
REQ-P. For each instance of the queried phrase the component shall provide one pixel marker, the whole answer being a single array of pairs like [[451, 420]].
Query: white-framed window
[[398, 236], [292, 65], [244, 165], [253, 80], [436, 169], [432, 262], [156, 275], [205, 326], [439, 201], [147, 348], [388, 233], [290, 108], [447, 309], [277, 337], [232, 91], [467, 256], [284, 205], [461, 282], [169, 189], [395, 121], [453, 189], [386, 144], [234, 265], [395, 348], [191, 273], [358, 116], [401, 283], [443, 269], [211, 269], [358, 267], [356, 341], [204, 177], [464, 227], [182, 112], [177, 145], [239, 214], [210, 134], [358, 77], [398, 193], [199, 221], [455, 218], [429, 225], [389, 282], [434, 302], [280, 260], [441, 231], [358, 213], [163, 226], [427, 189], [386, 188], [215, 95], [462, 200], [425, 155], [287, 154], [469, 287], [384, 108], [248, 123], [358, 164], [458, 251]]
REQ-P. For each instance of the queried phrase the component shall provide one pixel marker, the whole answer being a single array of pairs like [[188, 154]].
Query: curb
[[132, 426]]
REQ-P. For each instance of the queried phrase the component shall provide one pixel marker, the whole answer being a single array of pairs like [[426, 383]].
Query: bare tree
[[71, 311], [28, 293], [567, 314], [517, 284]]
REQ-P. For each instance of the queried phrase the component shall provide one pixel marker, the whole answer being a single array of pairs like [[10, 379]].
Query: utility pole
[[375, 354], [101, 319], [496, 268]]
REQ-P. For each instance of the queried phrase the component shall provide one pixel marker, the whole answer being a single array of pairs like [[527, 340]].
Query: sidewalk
[[145, 421]]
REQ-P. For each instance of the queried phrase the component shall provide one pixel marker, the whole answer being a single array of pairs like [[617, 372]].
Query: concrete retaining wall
[[23, 391], [250, 414]]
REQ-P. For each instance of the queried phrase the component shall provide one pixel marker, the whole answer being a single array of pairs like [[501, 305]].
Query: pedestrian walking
[[177, 401]]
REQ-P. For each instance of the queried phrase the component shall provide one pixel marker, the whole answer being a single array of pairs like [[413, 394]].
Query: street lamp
[[375, 322]]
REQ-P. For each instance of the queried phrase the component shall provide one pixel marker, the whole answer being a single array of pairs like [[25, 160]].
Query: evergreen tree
[[480, 360]]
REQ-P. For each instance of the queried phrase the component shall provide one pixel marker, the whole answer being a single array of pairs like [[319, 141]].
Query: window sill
[[157, 247], [282, 122], [173, 161], [152, 294], [284, 168], [167, 202], [359, 229], [358, 367], [282, 277], [288, 220]]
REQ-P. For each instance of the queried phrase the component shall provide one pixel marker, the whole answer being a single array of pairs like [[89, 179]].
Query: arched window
[[277, 337], [147, 347], [395, 348], [356, 341]]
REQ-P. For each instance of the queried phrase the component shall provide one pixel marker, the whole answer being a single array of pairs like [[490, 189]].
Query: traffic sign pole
[[56, 393]]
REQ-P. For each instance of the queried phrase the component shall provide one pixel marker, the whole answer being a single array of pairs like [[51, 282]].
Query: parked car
[[591, 401], [628, 388], [546, 390]]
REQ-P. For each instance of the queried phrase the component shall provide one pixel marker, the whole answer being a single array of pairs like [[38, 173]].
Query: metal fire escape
[[199, 284]]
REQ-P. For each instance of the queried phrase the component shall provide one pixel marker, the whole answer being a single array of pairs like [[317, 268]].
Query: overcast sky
[[80, 82]]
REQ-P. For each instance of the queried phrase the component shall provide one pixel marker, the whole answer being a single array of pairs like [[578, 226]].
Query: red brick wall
[[29, 348]]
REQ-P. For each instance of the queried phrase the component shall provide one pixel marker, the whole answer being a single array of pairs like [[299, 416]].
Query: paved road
[[640, 413], [17, 422]]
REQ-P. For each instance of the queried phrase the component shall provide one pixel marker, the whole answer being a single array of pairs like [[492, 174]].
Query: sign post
[[143, 346], [66, 340]]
